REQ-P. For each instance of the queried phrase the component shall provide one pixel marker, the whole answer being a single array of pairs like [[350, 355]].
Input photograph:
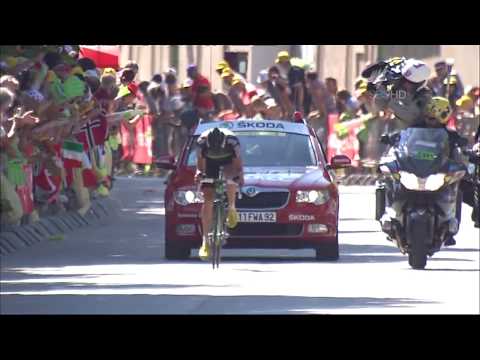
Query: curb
[[14, 238]]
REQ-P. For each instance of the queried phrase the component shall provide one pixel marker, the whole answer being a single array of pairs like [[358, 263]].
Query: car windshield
[[269, 148]]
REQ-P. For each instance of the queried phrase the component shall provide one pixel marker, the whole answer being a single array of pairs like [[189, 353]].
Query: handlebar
[[473, 156], [203, 176]]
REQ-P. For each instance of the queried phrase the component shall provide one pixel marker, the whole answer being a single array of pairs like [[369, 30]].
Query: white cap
[[250, 87], [415, 71], [154, 85], [262, 76], [270, 102]]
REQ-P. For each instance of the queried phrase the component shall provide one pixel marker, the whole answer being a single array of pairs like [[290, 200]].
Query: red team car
[[289, 200]]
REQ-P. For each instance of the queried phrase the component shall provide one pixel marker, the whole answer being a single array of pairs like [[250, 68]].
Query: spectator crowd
[[68, 127]]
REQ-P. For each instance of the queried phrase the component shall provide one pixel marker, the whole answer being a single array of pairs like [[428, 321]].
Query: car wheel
[[176, 252], [327, 252]]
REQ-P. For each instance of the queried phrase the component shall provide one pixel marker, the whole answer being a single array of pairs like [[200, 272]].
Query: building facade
[[343, 62]]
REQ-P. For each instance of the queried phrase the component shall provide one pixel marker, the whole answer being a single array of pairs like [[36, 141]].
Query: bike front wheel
[[218, 233]]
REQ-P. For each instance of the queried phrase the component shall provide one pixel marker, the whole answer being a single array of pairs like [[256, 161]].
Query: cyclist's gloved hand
[[199, 176], [239, 180]]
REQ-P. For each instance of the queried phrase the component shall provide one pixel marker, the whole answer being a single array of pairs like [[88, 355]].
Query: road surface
[[120, 269]]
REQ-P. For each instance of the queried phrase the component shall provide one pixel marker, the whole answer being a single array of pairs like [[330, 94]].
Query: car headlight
[[430, 183], [187, 197], [317, 197]]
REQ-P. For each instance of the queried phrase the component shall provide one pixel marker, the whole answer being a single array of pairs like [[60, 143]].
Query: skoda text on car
[[289, 199]]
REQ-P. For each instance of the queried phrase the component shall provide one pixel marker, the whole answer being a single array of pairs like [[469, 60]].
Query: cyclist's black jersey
[[230, 151]]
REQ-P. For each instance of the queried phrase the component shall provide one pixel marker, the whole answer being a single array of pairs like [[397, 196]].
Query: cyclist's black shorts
[[213, 168]]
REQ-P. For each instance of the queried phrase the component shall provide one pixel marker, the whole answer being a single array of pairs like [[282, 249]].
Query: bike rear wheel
[[220, 230]]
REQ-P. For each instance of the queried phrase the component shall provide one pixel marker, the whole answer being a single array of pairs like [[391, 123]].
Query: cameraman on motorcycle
[[400, 86], [406, 94], [436, 115]]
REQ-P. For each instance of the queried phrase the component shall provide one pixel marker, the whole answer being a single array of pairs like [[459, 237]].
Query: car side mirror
[[167, 163], [340, 161]]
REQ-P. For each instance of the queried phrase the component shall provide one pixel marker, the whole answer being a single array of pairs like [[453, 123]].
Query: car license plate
[[257, 217]]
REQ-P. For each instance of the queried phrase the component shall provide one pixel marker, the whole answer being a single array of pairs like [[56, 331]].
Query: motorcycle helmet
[[416, 71], [216, 140], [439, 108]]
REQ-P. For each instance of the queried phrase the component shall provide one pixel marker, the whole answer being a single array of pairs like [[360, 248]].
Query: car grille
[[264, 200], [265, 229]]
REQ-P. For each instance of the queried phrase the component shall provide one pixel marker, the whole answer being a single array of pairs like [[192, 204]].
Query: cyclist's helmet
[[439, 108], [216, 140]]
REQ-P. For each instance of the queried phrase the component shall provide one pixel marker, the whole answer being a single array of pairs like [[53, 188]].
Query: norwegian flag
[[93, 133], [89, 178], [43, 179]]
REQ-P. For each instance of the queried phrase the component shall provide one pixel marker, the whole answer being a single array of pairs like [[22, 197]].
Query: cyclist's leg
[[232, 188], [207, 210], [211, 172]]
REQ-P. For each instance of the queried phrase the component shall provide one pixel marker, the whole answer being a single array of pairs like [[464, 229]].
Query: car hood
[[291, 177]]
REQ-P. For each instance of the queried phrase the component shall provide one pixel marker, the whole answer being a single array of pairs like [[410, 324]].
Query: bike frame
[[219, 218]]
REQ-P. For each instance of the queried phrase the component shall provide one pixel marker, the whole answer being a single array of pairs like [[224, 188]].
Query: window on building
[[408, 51], [174, 56], [359, 64], [238, 62]]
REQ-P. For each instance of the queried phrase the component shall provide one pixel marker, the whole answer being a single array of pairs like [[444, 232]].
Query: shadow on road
[[26, 286], [466, 270], [351, 253], [356, 219], [196, 304], [462, 250], [358, 231]]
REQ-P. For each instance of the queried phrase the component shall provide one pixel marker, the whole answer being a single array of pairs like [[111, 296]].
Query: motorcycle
[[472, 179], [417, 192]]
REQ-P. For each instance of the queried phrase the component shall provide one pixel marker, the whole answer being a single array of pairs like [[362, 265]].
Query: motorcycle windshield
[[423, 151]]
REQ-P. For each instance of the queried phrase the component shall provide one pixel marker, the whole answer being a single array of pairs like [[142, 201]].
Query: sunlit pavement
[[120, 268]]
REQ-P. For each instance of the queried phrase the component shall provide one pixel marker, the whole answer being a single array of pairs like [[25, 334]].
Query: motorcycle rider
[[439, 109], [218, 147]]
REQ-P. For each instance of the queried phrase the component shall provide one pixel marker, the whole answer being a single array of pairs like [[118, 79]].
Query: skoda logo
[[250, 191]]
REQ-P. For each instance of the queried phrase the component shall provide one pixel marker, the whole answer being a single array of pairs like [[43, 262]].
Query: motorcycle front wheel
[[417, 260], [417, 256]]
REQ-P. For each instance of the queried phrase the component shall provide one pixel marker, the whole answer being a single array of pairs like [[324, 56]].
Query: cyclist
[[218, 148]]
